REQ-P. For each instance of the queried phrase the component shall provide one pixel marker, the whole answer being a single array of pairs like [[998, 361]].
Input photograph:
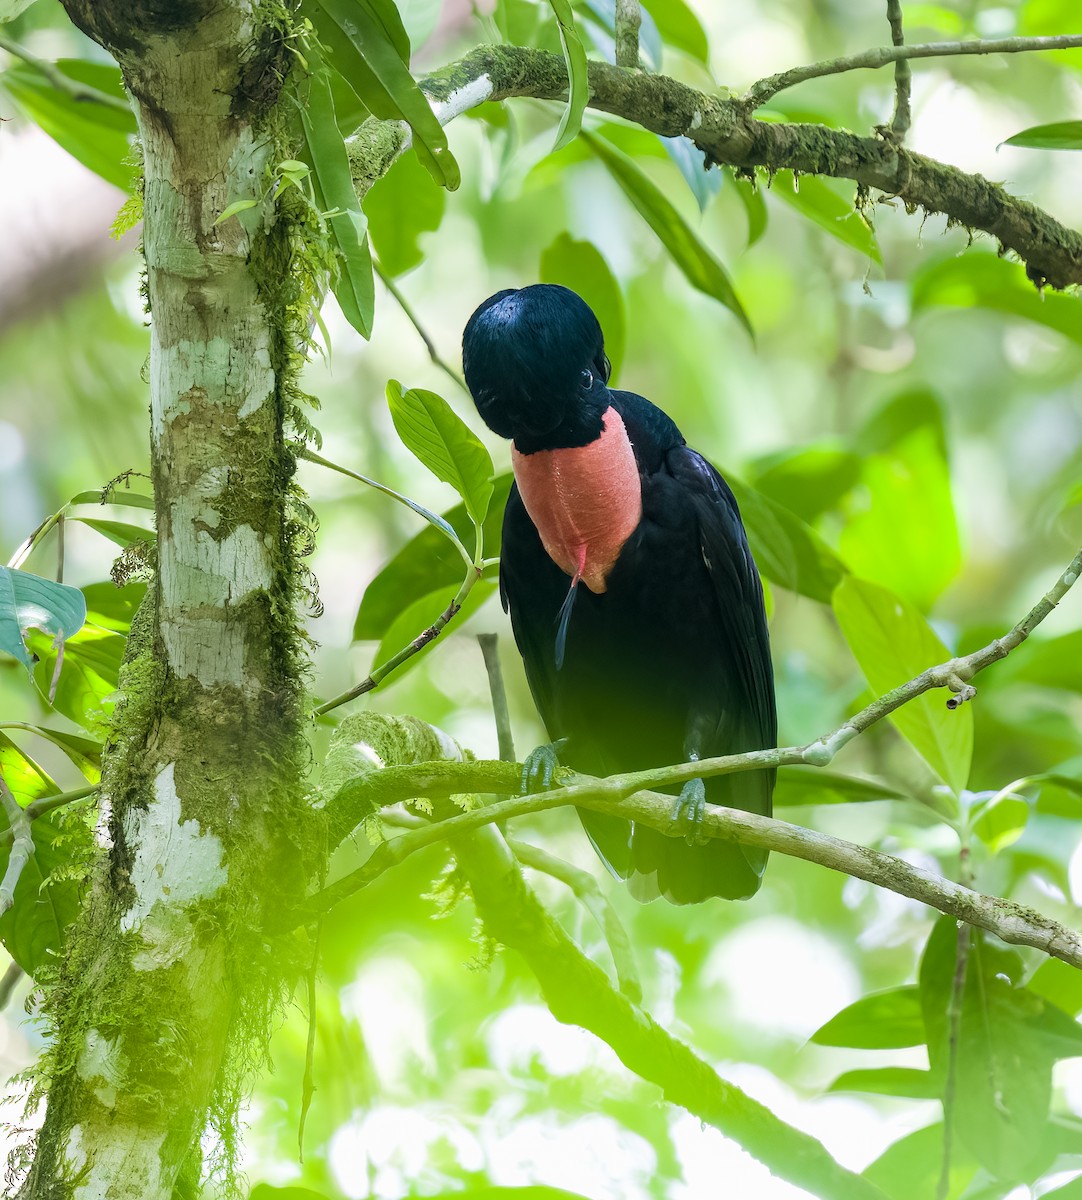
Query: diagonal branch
[[728, 135], [22, 846], [903, 76]]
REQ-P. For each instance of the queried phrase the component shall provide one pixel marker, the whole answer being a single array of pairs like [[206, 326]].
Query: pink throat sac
[[585, 501]]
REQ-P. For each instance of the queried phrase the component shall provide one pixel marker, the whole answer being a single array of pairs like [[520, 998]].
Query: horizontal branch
[[727, 134], [625, 795], [881, 56]]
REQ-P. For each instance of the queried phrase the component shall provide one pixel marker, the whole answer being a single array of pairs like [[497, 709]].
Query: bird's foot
[[689, 810], [539, 769]]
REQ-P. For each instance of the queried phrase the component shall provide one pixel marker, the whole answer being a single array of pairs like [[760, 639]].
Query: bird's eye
[[587, 379]]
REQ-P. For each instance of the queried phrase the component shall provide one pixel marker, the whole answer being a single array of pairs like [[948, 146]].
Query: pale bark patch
[[119, 1164], [175, 864]]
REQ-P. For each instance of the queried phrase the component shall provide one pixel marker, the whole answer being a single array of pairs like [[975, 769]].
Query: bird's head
[[534, 359]]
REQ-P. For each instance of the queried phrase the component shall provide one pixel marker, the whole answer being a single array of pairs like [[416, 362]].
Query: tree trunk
[[165, 997]]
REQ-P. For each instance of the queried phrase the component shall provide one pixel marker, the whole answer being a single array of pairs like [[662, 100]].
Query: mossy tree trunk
[[170, 980]]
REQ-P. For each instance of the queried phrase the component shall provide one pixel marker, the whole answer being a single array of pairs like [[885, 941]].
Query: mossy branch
[[626, 796], [726, 132]]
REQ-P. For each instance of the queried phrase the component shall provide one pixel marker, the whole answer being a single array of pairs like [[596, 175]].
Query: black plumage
[[671, 660]]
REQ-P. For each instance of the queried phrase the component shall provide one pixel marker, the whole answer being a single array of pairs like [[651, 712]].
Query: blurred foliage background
[[907, 394]]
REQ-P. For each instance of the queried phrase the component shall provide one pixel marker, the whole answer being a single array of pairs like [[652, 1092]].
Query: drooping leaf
[[580, 266], [699, 265], [980, 280], [817, 200], [691, 162], [353, 288], [377, 69], [787, 551], [30, 602], [444, 443], [123, 533], [401, 206], [888, 1081], [1059, 135], [427, 561], [751, 196], [893, 643], [881, 1021], [98, 135], [575, 61], [84, 752]]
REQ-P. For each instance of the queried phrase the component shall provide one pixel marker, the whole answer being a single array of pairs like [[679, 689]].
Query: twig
[[473, 574], [70, 87], [903, 76], [9, 982], [44, 804], [489, 643], [594, 900], [22, 846], [954, 1028], [308, 1086], [765, 89], [628, 20], [623, 795], [413, 319]]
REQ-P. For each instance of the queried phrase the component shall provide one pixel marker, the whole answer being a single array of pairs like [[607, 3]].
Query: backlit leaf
[[1060, 135], [817, 200], [881, 1021]]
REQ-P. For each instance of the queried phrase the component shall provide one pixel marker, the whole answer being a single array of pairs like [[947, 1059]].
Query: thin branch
[[308, 1084], [411, 316], [45, 804], [903, 76], [765, 89], [628, 20], [727, 134], [623, 795], [489, 643], [70, 87], [596, 903], [9, 982], [22, 846]]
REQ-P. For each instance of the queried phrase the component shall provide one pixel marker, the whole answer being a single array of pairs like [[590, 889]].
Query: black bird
[[633, 595]]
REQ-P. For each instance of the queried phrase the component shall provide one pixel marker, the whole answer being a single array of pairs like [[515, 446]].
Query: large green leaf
[[1060, 135], [580, 266], [353, 288], [575, 61], [89, 676], [987, 281], [904, 534], [427, 562], [377, 70], [113, 607], [817, 200], [444, 443], [680, 27], [98, 135], [893, 643], [809, 480], [30, 602], [881, 1021], [400, 207], [787, 551], [701, 269], [84, 752]]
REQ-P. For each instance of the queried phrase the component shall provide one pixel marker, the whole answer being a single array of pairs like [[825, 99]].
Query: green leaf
[[25, 778], [264, 1191], [701, 269], [30, 602], [787, 551], [987, 281], [580, 266], [84, 752], [703, 183], [116, 495], [904, 534], [378, 72], [882, 1021], [98, 135], [10, 9], [893, 643], [427, 561], [680, 27], [800, 786], [575, 61], [113, 607], [817, 200], [231, 210], [400, 207], [354, 287], [1002, 822], [418, 616], [120, 532], [89, 677], [888, 1081], [751, 196], [808, 480], [444, 443], [1060, 984], [1060, 135], [1069, 1191], [47, 898], [909, 1169]]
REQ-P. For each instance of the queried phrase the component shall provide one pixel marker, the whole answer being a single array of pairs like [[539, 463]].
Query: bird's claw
[[689, 810], [539, 769]]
